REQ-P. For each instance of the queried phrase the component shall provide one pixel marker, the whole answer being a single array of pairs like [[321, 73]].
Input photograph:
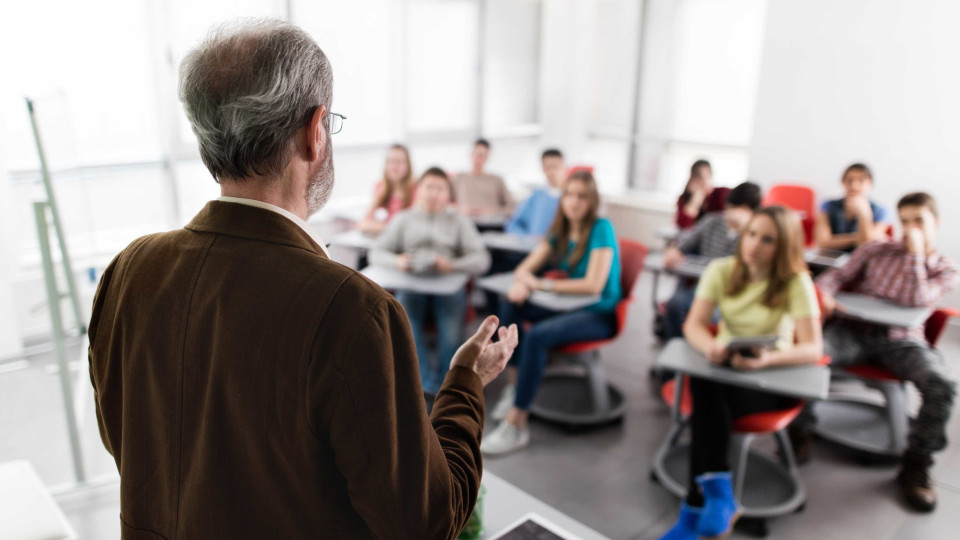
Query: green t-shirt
[[746, 315]]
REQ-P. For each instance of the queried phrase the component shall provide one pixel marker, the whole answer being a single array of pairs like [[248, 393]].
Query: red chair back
[[936, 323], [579, 168], [632, 257], [799, 198]]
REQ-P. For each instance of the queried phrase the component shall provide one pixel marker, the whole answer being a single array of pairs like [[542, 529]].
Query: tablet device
[[746, 344]]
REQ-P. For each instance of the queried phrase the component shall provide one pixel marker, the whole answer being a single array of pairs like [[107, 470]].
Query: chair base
[[858, 424], [769, 490], [568, 399]]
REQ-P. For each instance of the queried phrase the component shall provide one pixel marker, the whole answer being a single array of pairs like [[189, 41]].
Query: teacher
[[248, 386]]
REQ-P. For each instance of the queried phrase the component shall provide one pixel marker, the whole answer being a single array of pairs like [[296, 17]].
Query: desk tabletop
[[826, 258], [354, 239], [520, 243], [396, 280], [491, 221], [667, 232], [692, 266], [26, 508], [500, 284], [804, 382], [878, 311], [505, 504]]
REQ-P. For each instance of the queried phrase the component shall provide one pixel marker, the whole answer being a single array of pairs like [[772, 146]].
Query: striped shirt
[[710, 237], [887, 270]]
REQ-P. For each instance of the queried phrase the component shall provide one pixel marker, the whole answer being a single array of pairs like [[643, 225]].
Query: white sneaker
[[505, 439], [505, 403]]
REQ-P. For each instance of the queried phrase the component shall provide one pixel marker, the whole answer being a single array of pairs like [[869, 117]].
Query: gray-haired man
[[249, 387]]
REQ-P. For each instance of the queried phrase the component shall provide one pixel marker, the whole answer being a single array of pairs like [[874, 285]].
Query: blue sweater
[[535, 215]]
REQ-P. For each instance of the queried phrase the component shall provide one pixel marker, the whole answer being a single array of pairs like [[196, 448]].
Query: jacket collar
[[253, 222]]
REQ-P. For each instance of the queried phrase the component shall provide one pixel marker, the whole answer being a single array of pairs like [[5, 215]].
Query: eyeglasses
[[336, 122]]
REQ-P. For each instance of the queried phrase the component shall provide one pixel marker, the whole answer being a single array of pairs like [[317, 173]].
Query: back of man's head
[[247, 89]]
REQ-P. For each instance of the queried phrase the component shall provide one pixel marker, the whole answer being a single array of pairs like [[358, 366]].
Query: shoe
[[914, 480], [720, 509], [505, 439], [686, 527], [505, 403], [801, 441]]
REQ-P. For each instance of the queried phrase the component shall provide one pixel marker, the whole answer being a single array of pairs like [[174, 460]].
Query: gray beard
[[321, 185]]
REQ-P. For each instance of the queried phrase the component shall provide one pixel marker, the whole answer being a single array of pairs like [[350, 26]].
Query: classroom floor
[[599, 477]]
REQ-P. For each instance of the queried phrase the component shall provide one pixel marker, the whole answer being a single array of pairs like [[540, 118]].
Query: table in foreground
[[500, 284], [27, 511], [518, 243], [804, 382], [396, 280], [505, 504]]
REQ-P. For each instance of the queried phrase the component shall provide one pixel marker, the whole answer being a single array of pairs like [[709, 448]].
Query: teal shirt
[[601, 236]]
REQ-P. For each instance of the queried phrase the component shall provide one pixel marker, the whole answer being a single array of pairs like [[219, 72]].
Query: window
[[511, 66]]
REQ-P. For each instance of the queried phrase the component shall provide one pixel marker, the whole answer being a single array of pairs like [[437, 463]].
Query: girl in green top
[[765, 289]]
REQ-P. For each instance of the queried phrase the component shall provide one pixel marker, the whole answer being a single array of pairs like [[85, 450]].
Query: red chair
[[579, 168], [799, 198], [582, 401], [862, 423]]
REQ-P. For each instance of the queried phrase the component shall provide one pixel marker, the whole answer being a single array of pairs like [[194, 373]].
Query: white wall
[[10, 342], [850, 81]]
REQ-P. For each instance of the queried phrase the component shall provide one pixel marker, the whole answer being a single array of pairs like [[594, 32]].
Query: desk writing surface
[[504, 504], [26, 508], [804, 382], [692, 266], [500, 284], [826, 258], [490, 221], [879, 311], [668, 232], [397, 280], [354, 239], [520, 243]]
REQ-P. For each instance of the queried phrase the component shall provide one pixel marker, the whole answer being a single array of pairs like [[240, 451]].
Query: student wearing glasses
[[765, 289], [584, 248]]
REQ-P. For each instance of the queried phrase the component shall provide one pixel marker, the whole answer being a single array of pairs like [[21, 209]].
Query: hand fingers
[[486, 330]]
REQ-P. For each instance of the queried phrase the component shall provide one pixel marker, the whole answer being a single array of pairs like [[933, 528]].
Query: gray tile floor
[[599, 477]]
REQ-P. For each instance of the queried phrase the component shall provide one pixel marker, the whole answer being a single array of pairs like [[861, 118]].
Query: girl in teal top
[[583, 247]]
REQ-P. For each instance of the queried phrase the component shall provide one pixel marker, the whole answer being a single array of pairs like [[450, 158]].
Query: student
[[433, 237], [584, 246], [765, 289], [912, 273], [535, 214], [713, 236], [699, 196], [393, 193], [478, 192], [838, 223]]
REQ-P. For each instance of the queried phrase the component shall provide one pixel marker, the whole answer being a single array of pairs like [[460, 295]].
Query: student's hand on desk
[[760, 361], [717, 353], [518, 293], [404, 261], [485, 357], [529, 280], [828, 304], [672, 257], [443, 264]]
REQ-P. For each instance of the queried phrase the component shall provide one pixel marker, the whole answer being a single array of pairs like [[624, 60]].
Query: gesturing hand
[[485, 357]]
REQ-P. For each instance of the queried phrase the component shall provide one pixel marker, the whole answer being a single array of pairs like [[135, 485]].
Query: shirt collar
[[283, 212]]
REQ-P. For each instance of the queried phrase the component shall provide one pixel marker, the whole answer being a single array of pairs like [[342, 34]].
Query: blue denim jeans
[[551, 329], [448, 315]]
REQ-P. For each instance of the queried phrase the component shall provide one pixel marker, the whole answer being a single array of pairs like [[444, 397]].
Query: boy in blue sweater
[[536, 213]]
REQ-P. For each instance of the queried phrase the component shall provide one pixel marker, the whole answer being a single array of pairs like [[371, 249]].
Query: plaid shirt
[[710, 237], [887, 270]]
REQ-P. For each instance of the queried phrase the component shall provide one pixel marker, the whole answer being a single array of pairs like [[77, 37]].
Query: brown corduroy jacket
[[249, 387]]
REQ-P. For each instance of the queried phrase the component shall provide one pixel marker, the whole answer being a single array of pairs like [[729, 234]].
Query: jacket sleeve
[[474, 258], [388, 245], [407, 475]]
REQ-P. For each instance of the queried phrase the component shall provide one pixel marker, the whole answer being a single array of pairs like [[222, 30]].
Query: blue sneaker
[[686, 527], [720, 508]]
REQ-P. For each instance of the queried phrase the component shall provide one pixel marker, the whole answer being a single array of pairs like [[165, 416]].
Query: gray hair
[[247, 89]]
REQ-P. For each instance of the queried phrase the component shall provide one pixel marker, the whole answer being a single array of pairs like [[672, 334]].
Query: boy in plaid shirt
[[910, 273]]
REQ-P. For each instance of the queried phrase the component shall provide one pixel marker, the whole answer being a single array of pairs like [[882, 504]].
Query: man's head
[[257, 95], [479, 155], [742, 202], [553, 169], [919, 211], [857, 180]]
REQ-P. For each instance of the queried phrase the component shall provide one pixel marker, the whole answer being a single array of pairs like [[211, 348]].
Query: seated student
[[699, 196], [910, 272], [713, 236], [393, 193], [536, 213], [765, 289], [838, 223], [584, 247], [432, 237], [478, 192]]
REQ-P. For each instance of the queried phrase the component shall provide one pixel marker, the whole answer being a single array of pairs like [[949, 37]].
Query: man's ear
[[316, 136]]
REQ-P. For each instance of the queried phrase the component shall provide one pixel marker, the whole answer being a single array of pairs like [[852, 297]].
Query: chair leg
[[597, 377], [741, 449], [787, 458], [896, 397]]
